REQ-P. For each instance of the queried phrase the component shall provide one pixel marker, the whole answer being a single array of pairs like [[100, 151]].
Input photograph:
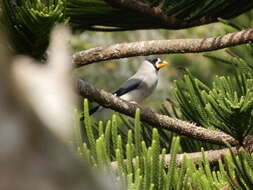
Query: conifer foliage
[[29, 21], [227, 106], [144, 164]]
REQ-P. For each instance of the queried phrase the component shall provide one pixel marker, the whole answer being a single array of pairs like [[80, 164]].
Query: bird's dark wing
[[93, 110], [128, 86]]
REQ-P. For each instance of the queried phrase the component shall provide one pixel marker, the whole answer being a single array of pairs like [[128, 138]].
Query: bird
[[141, 85]]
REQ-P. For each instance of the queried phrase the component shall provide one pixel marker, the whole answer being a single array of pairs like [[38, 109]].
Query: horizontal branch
[[170, 22], [161, 47], [157, 120], [213, 156]]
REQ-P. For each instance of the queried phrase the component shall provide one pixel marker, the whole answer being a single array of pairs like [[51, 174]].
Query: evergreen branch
[[213, 156], [161, 47], [156, 12], [157, 120]]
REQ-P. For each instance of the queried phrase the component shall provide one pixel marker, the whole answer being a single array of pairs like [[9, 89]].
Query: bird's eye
[[158, 60], [156, 64]]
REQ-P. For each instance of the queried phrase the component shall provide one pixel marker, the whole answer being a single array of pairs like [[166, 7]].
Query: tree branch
[[161, 47], [213, 156], [170, 22], [157, 120]]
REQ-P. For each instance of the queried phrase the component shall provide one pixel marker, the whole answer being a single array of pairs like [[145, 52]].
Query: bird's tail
[[95, 109], [92, 111]]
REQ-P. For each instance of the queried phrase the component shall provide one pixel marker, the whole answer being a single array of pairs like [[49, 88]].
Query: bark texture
[[161, 47]]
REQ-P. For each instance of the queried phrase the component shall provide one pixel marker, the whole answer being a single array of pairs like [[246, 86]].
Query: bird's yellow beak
[[163, 64]]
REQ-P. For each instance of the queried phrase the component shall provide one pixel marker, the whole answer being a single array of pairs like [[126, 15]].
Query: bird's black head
[[152, 59], [156, 62]]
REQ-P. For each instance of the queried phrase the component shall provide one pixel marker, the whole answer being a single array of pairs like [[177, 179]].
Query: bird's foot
[[133, 102]]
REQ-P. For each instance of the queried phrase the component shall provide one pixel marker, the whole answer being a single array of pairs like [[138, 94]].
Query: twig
[[156, 12], [161, 47], [157, 120]]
